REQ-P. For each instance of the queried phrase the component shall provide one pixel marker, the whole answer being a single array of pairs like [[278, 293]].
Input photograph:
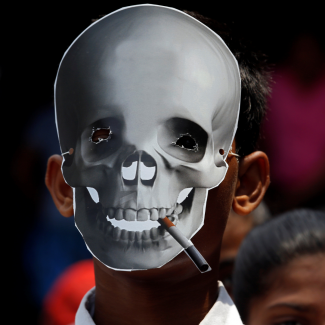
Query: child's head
[[279, 271], [147, 105], [254, 83]]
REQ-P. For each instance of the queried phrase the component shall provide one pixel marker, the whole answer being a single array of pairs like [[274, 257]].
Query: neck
[[174, 294]]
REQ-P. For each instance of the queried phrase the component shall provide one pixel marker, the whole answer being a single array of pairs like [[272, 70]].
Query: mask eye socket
[[99, 135], [102, 138], [182, 139], [187, 142]]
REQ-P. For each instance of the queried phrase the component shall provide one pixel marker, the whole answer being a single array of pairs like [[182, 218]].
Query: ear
[[253, 181], [61, 192]]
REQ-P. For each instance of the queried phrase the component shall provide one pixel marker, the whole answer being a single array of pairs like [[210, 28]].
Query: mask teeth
[[173, 218], [154, 214], [178, 209], [142, 214], [111, 213], [144, 237]]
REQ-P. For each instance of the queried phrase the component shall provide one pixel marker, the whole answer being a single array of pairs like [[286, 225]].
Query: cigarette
[[188, 246]]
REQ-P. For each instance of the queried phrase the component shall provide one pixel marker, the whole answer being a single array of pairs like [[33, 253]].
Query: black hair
[[273, 244], [254, 74]]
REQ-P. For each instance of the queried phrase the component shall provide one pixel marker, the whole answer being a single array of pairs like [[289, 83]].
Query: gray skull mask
[[148, 98]]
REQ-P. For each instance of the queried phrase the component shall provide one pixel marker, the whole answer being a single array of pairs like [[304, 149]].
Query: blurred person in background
[[279, 274], [62, 301], [294, 128], [52, 242], [236, 230]]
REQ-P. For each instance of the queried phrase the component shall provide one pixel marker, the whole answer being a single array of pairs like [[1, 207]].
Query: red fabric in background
[[62, 301]]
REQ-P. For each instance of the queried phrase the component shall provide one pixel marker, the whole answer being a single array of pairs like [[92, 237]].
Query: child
[[175, 293], [279, 271]]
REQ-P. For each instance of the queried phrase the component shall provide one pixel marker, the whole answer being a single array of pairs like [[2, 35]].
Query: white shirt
[[223, 312]]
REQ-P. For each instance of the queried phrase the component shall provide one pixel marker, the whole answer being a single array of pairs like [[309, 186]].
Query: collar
[[223, 312]]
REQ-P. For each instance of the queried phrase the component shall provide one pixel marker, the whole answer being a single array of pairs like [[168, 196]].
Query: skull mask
[[148, 98]]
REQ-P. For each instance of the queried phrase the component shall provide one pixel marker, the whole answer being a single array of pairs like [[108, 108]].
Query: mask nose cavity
[[139, 166], [148, 169], [130, 169]]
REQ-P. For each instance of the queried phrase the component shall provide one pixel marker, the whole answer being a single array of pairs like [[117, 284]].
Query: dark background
[[34, 37]]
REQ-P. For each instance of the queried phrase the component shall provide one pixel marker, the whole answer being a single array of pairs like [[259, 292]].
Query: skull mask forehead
[[166, 91]]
